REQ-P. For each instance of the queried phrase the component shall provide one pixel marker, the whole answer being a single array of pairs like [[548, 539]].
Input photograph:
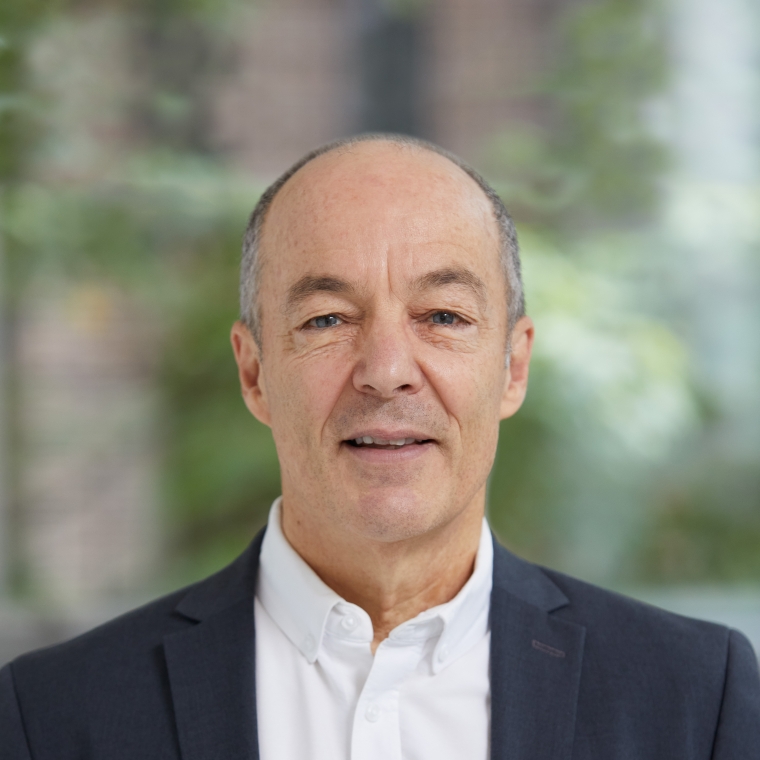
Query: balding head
[[377, 169]]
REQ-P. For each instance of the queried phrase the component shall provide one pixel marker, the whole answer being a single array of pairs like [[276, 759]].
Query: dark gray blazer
[[576, 672]]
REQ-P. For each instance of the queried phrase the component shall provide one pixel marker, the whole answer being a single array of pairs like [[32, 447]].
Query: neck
[[392, 581]]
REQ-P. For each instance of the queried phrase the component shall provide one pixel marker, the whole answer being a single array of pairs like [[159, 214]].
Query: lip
[[397, 456], [390, 435]]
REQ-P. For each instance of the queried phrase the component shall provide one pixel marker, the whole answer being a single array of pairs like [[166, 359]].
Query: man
[[383, 337]]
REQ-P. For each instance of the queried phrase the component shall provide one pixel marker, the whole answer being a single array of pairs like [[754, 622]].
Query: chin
[[390, 517]]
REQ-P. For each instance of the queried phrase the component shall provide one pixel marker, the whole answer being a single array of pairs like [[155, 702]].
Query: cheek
[[304, 393], [471, 393]]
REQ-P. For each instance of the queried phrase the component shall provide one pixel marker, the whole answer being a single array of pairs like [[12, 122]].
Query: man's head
[[381, 317]]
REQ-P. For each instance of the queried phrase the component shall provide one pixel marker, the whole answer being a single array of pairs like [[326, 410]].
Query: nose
[[387, 366]]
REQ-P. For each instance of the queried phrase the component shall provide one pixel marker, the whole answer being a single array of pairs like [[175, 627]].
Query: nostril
[[406, 388]]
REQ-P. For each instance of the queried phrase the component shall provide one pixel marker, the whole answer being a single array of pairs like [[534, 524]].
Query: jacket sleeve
[[738, 731], [13, 744]]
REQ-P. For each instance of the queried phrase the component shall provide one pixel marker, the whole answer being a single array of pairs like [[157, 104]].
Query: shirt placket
[[376, 732]]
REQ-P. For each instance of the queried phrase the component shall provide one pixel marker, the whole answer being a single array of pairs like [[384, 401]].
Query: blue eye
[[326, 320], [444, 318]]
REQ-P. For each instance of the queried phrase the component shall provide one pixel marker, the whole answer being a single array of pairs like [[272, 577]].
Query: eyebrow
[[440, 278], [310, 284]]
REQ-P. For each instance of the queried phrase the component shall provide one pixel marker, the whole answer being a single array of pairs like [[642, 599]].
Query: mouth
[[386, 444]]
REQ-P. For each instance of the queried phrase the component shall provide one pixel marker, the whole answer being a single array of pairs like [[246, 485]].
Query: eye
[[445, 318], [324, 321]]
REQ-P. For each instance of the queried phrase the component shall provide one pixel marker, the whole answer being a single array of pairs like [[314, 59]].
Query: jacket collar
[[525, 581], [233, 583]]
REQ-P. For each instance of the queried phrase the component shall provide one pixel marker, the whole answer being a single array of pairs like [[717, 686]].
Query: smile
[[384, 443], [387, 451]]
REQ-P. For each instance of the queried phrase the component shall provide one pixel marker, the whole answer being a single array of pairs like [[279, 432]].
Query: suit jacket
[[576, 673]]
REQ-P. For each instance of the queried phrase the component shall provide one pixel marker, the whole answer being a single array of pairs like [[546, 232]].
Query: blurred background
[[137, 135]]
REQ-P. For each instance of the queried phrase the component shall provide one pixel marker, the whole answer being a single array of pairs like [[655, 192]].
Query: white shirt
[[322, 695]]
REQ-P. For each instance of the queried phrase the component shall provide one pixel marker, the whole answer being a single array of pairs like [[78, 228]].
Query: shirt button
[[443, 654], [372, 713], [349, 622], [310, 646]]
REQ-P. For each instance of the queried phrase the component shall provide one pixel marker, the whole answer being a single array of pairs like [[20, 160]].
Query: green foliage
[[585, 474], [612, 469], [609, 397], [692, 541], [18, 18], [599, 162], [615, 66], [222, 469]]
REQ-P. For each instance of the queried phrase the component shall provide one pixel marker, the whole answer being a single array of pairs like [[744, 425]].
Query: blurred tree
[[597, 162], [609, 391], [18, 19], [567, 490], [169, 234]]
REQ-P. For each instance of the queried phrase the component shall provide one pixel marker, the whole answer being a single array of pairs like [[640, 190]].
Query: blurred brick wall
[[294, 84], [88, 416], [290, 89], [486, 60]]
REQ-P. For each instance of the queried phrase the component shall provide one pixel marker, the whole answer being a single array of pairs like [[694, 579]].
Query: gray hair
[[250, 267]]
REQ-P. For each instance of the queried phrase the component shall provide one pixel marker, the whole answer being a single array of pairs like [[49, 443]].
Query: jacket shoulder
[[620, 619], [60, 698], [656, 679], [606, 616], [118, 671], [125, 643], [137, 633]]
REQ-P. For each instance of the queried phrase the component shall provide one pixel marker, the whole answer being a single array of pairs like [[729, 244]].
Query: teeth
[[367, 440]]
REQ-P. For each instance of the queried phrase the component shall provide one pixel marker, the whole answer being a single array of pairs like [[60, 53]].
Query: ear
[[248, 358], [516, 380]]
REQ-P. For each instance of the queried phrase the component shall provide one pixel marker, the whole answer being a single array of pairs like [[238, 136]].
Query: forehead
[[380, 200]]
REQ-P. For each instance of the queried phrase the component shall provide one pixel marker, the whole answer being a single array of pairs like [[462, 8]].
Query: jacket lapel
[[535, 664], [211, 665]]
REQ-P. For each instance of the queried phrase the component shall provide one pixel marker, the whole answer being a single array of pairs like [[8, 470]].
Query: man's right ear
[[248, 358]]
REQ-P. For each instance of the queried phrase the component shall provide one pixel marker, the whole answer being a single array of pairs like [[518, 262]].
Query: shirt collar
[[300, 603]]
